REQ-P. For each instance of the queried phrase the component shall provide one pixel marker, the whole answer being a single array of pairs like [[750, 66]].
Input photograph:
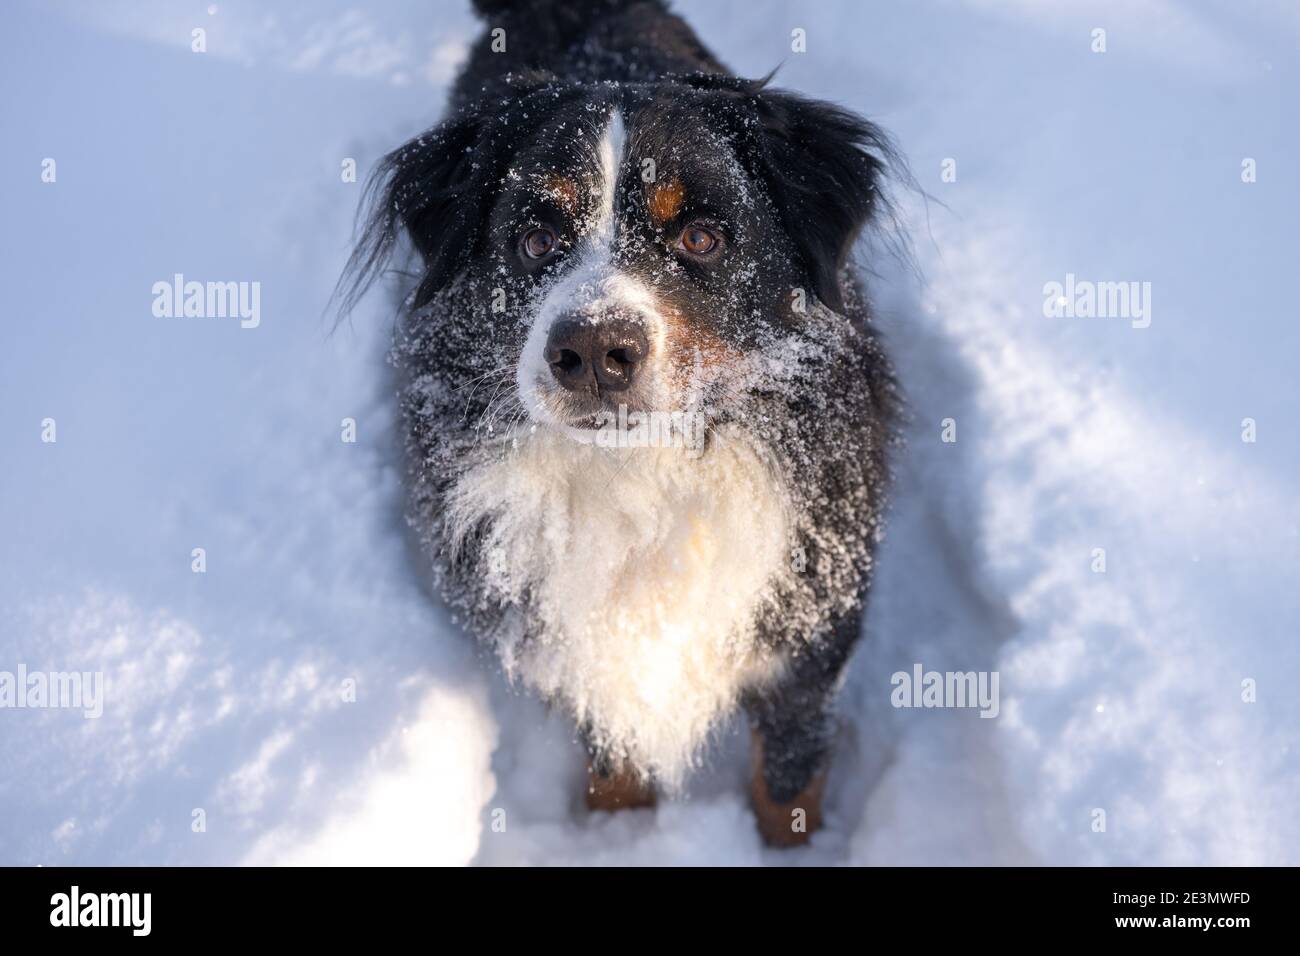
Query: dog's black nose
[[596, 353]]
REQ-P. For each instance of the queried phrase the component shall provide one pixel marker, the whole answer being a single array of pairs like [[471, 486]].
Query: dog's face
[[630, 245]]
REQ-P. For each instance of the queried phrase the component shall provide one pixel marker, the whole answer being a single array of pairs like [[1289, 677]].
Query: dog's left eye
[[539, 243], [698, 241]]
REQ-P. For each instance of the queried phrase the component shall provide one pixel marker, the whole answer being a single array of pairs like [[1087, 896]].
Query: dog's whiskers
[[478, 380]]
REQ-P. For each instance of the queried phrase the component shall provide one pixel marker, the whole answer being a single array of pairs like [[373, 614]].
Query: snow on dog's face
[[626, 246]]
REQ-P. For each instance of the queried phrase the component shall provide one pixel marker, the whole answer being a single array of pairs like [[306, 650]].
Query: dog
[[648, 421]]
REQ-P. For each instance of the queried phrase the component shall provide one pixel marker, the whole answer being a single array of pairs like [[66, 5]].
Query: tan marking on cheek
[[689, 346], [666, 200], [563, 191]]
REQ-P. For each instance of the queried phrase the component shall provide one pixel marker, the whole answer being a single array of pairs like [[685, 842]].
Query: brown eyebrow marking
[[666, 200], [563, 191]]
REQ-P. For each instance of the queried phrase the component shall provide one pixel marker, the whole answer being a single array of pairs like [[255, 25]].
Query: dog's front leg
[[788, 772], [792, 726]]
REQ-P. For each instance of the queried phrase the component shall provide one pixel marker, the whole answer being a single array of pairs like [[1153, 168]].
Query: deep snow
[[1120, 691]]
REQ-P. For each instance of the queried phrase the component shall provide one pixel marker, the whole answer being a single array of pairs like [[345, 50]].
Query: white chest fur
[[645, 566]]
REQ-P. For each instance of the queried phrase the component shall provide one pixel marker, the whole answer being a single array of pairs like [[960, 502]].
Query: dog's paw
[[620, 790], [790, 822], [793, 822]]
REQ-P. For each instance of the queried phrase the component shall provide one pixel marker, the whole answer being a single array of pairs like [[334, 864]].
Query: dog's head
[[627, 244]]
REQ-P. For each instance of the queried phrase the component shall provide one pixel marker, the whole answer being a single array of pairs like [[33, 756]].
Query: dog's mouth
[[590, 422], [585, 410], [591, 418], [613, 423]]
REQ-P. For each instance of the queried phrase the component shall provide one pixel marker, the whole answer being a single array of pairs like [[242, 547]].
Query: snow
[[306, 695]]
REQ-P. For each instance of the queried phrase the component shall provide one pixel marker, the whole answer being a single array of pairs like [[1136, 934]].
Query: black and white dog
[[647, 417]]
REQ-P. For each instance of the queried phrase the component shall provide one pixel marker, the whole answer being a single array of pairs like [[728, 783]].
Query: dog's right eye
[[539, 243]]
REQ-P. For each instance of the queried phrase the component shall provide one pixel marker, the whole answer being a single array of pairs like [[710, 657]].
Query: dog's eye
[[539, 243], [698, 241]]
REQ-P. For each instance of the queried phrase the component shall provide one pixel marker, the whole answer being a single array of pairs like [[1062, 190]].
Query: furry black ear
[[824, 168], [433, 188]]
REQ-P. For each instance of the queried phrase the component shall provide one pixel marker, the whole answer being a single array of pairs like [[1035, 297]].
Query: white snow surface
[[1120, 691]]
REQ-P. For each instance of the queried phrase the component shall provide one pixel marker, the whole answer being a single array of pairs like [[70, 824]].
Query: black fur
[[583, 41], [826, 419]]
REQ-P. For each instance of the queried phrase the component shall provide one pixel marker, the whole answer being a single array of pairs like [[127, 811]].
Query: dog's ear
[[434, 188], [824, 168], [431, 188], [438, 189]]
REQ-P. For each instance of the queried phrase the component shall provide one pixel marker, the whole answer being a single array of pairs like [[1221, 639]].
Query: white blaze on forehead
[[610, 153]]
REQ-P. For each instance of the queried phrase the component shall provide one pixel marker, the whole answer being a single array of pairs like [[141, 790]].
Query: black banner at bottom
[[332, 906]]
